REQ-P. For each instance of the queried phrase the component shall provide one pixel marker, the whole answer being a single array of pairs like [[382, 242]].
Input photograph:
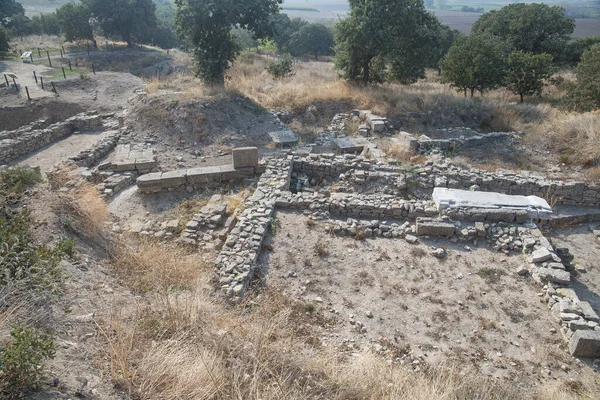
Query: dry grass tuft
[[146, 266], [576, 135], [83, 211]]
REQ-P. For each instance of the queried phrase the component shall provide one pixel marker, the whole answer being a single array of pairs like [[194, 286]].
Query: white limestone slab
[[454, 198]]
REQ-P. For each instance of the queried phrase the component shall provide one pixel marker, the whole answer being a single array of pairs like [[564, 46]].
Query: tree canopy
[[532, 28], [4, 47], [131, 20], [75, 22], [526, 73], [384, 33], [207, 26], [475, 62], [314, 39], [8, 8], [584, 95]]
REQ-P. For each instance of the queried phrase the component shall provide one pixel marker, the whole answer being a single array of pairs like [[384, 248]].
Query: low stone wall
[[92, 156], [446, 175], [426, 143], [14, 144], [193, 178]]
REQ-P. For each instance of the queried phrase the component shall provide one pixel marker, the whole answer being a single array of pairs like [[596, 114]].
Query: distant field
[[298, 7]]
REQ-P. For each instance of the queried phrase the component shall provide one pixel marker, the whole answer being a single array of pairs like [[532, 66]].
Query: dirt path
[[58, 152], [25, 73]]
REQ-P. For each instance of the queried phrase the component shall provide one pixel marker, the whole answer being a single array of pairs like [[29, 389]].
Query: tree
[[526, 73], [284, 29], [4, 47], [75, 21], [131, 20], [20, 25], [577, 47], [245, 38], [584, 95], [207, 26], [8, 8], [382, 34], [314, 39], [532, 28], [444, 38], [475, 62], [166, 31], [47, 24]]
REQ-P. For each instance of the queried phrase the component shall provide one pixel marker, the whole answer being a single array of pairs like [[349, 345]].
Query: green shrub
[[28, 267], [17, 179], [282, 67], [22, 361]]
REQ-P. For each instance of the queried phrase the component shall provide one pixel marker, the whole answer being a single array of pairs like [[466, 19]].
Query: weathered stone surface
[[588, 311], [541, 255], [284, 138], [203, 175], [554, 275], [585, 343], [173, 179], [150, 181], [245, 157], [228, 173], [351, 144], [536, 207], [432, 227]]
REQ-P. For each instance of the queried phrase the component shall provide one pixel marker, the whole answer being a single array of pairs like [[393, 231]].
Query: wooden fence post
[[53, 88], [64, 74], [93, 69], [42, 81], [49, 61], [6, 78], [35, 77], [70, 68], [28, 96]]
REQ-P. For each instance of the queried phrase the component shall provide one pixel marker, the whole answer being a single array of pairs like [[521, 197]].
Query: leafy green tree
[[384, 33], [20, 25], [76, 22], [245, 38], [207, 26], [526, 73], [166, 31], [133, 21], [45, 24], [444, 38], [8, 8], [4, 46], [284, 30], [584, 95], [314, 39], [577, 47], [533, 28], [475, 62]]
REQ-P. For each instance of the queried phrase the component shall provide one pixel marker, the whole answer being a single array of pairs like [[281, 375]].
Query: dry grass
[[576, 135], [189, 345], [146, 266], [83, 211]]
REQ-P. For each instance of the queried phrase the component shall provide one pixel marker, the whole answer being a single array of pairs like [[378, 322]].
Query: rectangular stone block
[[245, 157], [585, 343], [204, 175], [173, 179], [431, 227], [123, 165], [150, 181], [554, 275], [229, 173], [144, 164]]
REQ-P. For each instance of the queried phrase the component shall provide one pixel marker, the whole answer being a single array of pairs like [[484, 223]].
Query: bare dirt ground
[[103, 91], [59, 152], [471, 307]]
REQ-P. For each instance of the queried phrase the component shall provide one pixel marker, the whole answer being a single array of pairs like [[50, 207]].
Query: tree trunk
[[94, 42], [439, 71], [316, 57], [465, 92], [366, 72], [521, 97], [472, 92]]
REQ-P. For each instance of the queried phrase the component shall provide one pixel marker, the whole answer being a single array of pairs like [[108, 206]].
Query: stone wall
[[14, 144], [92, 156], [444, 174]]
